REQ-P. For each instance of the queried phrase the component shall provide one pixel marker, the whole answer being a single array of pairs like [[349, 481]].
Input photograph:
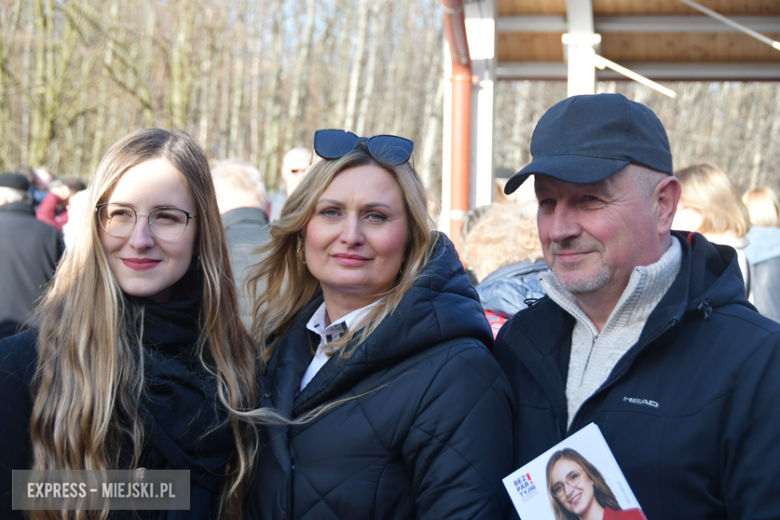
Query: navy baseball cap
[[585, 139]]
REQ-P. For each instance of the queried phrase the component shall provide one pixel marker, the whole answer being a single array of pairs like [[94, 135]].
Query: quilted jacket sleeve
[[750, 448], [460, 443]]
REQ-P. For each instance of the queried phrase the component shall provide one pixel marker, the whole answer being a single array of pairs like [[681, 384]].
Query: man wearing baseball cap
[[644, 331]]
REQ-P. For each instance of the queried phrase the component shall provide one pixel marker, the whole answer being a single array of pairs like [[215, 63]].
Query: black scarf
[[184, 425]]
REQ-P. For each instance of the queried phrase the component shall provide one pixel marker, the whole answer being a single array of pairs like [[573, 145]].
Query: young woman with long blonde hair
[[137, 349]]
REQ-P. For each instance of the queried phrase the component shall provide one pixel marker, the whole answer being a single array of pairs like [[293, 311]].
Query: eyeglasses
[[166, 222], [572, 479], [390, 149]]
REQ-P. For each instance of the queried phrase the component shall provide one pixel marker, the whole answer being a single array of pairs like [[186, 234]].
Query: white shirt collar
[[334, 331], [327, 335]]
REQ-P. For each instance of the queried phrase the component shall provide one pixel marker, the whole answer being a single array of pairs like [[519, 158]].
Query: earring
[[300, 254]]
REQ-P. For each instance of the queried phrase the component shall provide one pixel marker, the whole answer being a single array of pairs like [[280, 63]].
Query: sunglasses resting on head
[[334, 144]]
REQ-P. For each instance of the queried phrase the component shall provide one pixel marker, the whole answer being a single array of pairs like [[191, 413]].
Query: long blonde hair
[[708, 190], [90, 374], [290, 285]]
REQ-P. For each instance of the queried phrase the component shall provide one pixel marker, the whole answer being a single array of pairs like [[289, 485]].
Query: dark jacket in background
[[505, 290], [183, 427], [690, 411], [30, 252], [763, 253], [429, 435], [247, 229]]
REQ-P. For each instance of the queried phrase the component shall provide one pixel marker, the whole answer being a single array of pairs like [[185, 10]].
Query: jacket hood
[[720, 282], [441, 305], [716, 281]]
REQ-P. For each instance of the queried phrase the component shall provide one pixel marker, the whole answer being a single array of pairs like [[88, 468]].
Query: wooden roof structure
[[660, 39]]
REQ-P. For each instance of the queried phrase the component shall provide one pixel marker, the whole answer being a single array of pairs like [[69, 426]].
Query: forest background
[[253, 78]]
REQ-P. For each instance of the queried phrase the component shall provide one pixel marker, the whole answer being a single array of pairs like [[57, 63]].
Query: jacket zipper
[[616, 377]]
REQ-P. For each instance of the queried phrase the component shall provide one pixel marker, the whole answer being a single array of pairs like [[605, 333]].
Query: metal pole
[[455, 29], [732, 23]]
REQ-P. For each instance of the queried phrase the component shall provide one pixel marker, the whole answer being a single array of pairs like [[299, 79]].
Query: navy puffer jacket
[[690, 411], [430, 436]]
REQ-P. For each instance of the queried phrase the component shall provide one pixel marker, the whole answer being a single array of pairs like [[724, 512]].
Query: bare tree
[[9, 25], [236, 148], [270, 158], [357, 64], [296, 92]]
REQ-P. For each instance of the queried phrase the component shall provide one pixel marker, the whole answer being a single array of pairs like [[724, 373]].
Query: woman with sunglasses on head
[[380, 398], [137, 350], [578, 491]]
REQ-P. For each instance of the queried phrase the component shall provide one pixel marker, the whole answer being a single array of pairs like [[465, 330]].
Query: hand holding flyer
[[577, 479]]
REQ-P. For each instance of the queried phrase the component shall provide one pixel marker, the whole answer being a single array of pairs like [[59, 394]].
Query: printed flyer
[[577, 478]]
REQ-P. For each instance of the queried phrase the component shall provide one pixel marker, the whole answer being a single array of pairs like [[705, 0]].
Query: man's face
[[593, 234], [293, 170]]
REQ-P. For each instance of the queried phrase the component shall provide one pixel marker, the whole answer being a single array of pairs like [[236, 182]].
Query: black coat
[[691, 411], [429, 435], [30, 252], [178, 409], [247, 229]]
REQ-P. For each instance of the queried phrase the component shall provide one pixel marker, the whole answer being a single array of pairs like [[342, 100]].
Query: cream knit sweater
[[594, 355]]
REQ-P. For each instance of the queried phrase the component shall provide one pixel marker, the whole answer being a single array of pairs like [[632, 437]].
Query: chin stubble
[[577, 283]]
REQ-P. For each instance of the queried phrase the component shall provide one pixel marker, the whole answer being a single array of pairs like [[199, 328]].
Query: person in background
[[504, 250], [53, 209], [710, 205], [30, 252], [381, 399], [294, 166], [42, 178], [763, 207], [77, 207], [644, 331], [36, 196], [242, 200], [524, 195], [137, 350], [763, 251], [28, 174]]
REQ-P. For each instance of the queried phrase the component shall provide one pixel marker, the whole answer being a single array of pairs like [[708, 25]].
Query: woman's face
[[143, 264], [572, 487], [355, 242]]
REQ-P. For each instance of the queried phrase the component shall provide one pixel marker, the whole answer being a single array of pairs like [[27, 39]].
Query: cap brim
[[577, 169]]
